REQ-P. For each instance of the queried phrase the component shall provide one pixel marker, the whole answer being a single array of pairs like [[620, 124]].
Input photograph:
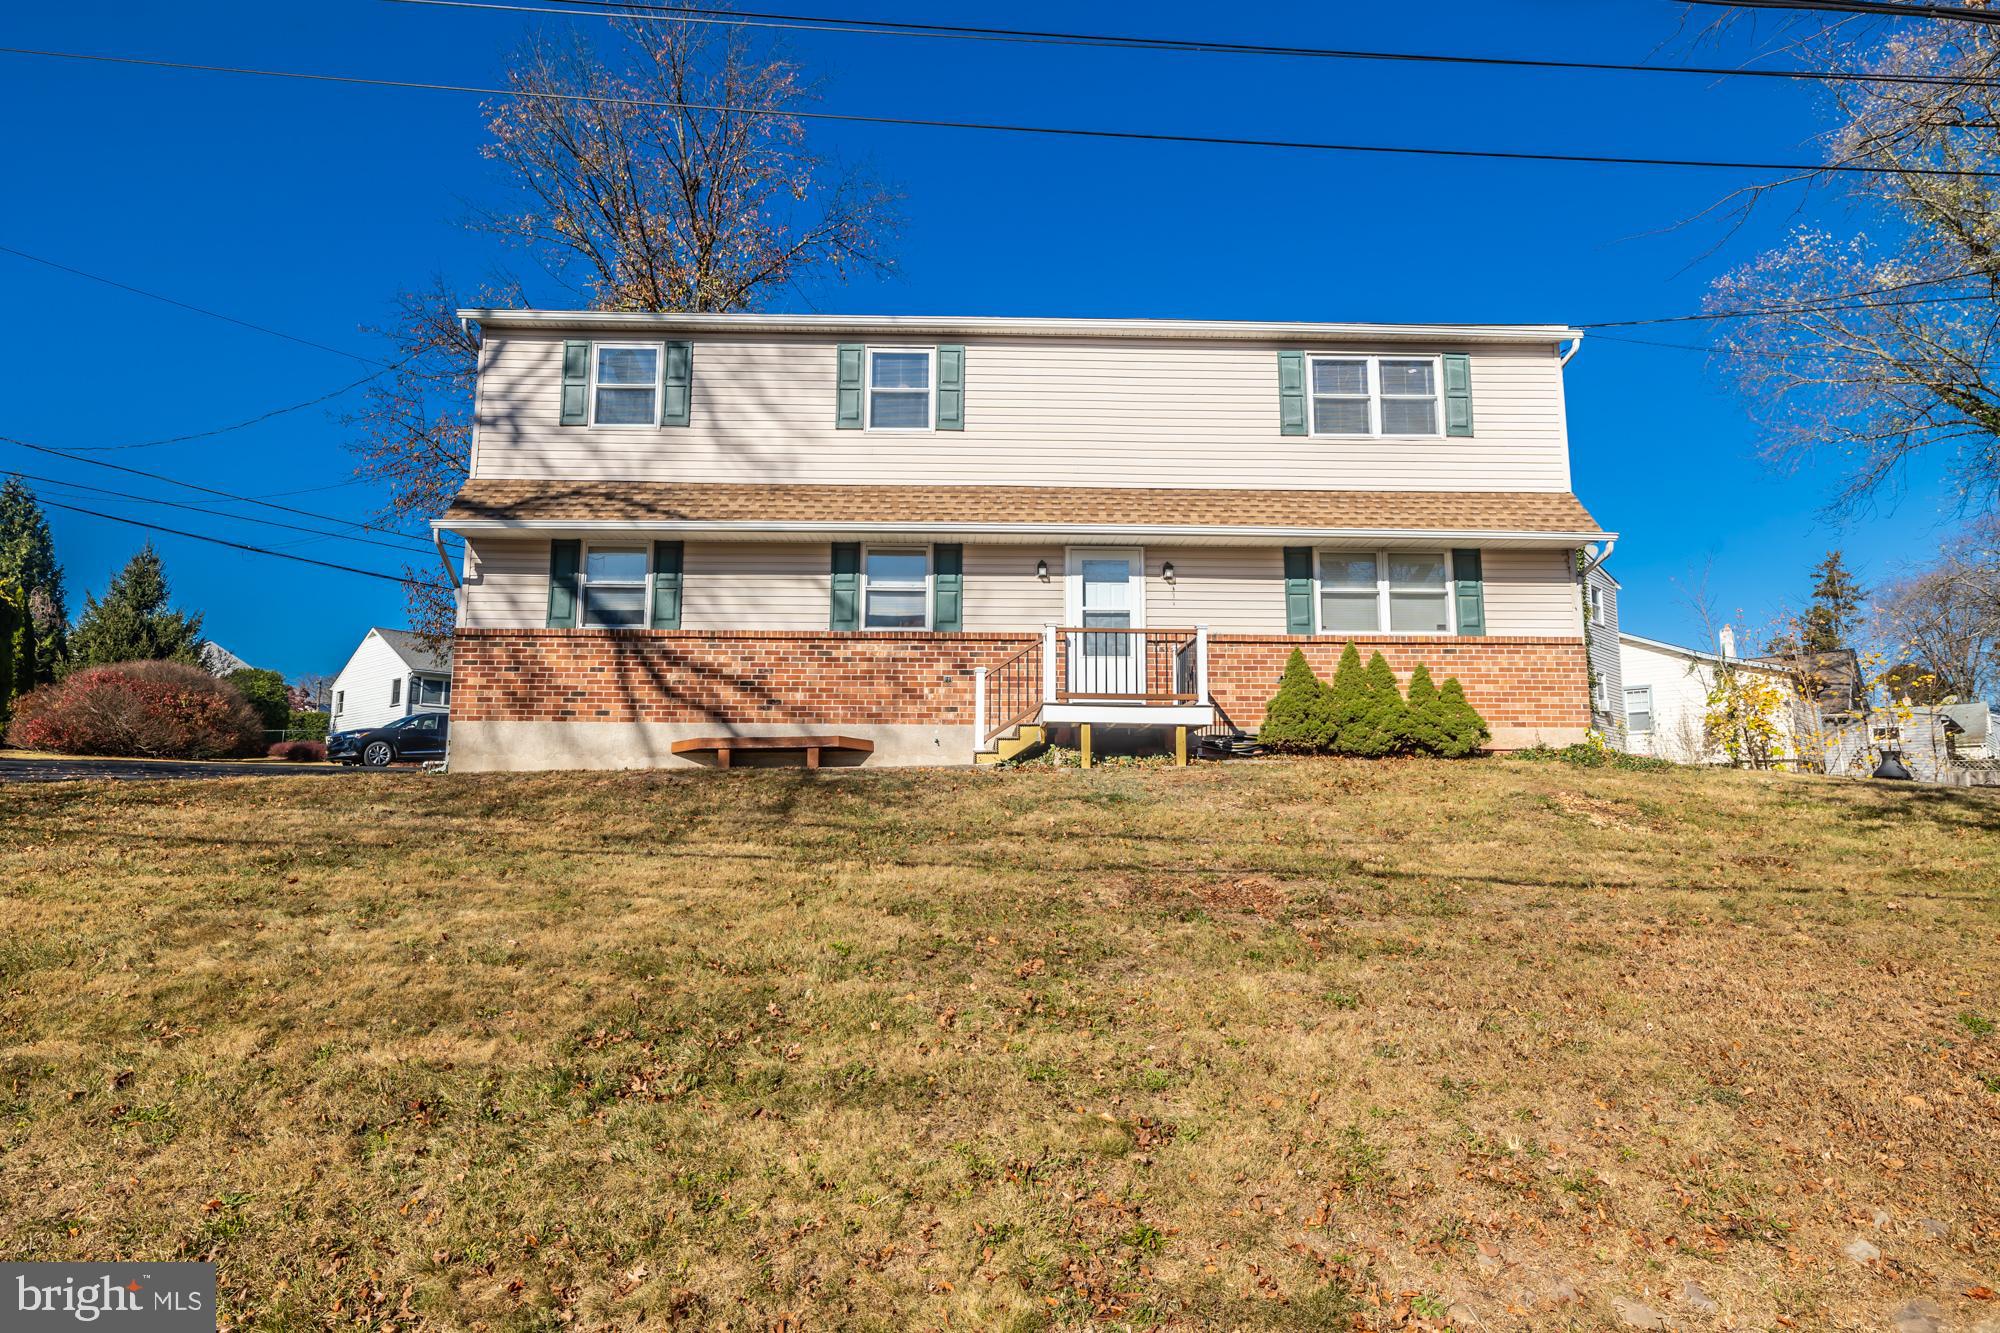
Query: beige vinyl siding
[[1037, 412], [1002, 592], [756, 585], [1230, 589], [506, 583], [1531, 592]]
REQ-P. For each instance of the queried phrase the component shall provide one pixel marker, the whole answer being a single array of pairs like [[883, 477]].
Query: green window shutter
[[1298, 590], [667, 585], [677, 384], [951, 388], [1291, 393], [1470, 589], [1458, 395], [576, 383], [847, 410], [948, 588], [564, 557], [845, 612]]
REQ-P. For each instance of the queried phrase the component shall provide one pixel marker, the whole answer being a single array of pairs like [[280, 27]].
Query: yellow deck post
[[1180, 747], [1083, 738]]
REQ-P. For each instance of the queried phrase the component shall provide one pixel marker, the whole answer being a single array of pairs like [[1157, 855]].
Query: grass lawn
[[1290, 1045]]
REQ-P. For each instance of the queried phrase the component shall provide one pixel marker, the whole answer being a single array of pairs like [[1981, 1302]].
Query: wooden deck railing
[[1009, 693], [1158, 666]]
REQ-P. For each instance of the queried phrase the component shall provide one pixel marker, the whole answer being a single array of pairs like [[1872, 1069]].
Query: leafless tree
[[1876, 352], [1942, 623]]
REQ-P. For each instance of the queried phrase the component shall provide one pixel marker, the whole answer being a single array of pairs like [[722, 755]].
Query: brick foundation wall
[[825, 678], [738, 676], [1516, 683]]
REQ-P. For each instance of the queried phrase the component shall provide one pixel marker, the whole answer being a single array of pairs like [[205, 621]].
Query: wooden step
[[1018, 741]]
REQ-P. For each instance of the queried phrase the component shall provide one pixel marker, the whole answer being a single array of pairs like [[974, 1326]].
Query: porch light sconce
[[1042, 570], [1167, 571]]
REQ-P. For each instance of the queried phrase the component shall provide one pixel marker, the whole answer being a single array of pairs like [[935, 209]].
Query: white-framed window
[[1638, 708], [902, 388], [1597, 606], [625, 384], [433, 691], [1354, 395], [614, 587], [339, 702], [896, 587], [1392, 592], [396, 692]]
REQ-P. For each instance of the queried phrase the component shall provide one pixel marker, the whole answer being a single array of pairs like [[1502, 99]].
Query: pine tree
[[1835, 613], [1347, 704], [1383, 728], [1427, 725], [1295, 721], [133, 623], [17, 649], [28, 562], [1465, 730]]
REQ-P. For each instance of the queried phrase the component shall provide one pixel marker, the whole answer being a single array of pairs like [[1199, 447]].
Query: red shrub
[[299, 752], [159, 710]]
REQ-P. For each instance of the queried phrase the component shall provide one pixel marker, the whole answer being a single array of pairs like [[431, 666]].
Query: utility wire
[[1000, 127], [1875, 8], [1195, 46], [235, 426], [199, 310], [204, 509], [417, 543], [1770, 311], [254, 550]]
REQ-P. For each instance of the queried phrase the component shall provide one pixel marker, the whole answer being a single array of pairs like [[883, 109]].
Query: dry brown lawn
[[1286, 1045]]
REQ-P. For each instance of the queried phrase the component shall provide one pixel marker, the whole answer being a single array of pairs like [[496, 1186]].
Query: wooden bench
[[724, 746]]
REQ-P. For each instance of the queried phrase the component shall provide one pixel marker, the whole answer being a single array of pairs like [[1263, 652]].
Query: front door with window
[[1106, 593]]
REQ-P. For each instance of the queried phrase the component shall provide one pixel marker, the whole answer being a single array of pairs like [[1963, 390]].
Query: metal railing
[[1009, 693], [1160, 666]]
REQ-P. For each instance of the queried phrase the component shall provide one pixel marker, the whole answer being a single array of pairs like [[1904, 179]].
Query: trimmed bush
[[1296, 719], [1424, 714], [1347, 703], [155, 710], [1382, 727], [1464, 730], [309, 726], [299, 752], [266, 692]]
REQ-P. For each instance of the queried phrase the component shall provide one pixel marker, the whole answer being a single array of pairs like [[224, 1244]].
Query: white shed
[[391, 675]]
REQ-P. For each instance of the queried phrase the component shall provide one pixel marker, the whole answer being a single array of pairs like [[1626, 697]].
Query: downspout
[[444, 557], [1575, 346]]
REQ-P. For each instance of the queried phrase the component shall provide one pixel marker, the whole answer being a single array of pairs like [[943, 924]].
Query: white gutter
[[1610, 545], [760, 526], [947, 325], [1575, 346]]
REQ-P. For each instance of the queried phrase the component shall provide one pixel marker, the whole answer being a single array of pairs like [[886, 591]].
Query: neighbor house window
[[614, 587], [1596, 607], [1375, 395], [1375, 592], [896, 587], [899, 388], [624, 384], [1639, 708], [433, 691], [339, 701], [396, 692]]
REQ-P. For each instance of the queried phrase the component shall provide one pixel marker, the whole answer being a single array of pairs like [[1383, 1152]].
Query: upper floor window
[[896, 587], [1375, 395], [614, 587], [624, 384], [901, 386], [1376, 592]]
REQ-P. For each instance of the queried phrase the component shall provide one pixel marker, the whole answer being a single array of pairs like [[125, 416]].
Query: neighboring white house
[[389, 676], [1666, 690], [216, 660]]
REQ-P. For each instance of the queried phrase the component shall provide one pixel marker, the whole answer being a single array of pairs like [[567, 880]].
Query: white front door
[[1107, 591]]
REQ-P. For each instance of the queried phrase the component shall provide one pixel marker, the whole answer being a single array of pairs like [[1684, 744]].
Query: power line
[[1875, 8], [210, 490], [999, 127], [199, 310], [1770, 311], [204, 509], [1193, 46], [234, 426], [254, 550]]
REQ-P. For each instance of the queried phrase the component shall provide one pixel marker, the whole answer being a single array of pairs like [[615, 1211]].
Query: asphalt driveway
[[58, 769]]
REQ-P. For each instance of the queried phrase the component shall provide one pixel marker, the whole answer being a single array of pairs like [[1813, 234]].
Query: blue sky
[[304, 207]]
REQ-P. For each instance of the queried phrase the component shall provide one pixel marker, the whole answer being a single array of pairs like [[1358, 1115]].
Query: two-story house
[[926, 534]]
